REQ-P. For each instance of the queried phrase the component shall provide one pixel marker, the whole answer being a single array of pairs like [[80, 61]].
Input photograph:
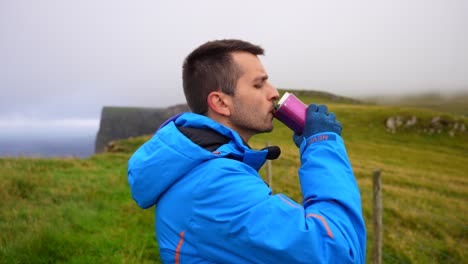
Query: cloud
[[66, 60]]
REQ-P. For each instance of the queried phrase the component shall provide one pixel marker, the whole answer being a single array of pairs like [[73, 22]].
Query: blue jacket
[[213, 207]]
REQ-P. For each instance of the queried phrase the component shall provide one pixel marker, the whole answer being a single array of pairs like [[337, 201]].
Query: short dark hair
[[210, 67]]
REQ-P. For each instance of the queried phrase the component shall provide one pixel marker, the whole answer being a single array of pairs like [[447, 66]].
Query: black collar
[[205, 138], [211, 140]]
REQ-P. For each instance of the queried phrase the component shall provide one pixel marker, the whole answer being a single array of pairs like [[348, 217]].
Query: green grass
[[81, 210], [73, 211]]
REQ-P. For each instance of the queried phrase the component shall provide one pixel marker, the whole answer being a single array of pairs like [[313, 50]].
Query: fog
[[65, 60]]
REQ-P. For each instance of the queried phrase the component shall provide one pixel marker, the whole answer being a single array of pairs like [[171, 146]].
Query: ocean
[[40, 145]]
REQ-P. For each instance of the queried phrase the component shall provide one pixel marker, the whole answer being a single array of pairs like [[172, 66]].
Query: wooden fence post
[[377, 218], [268, 170]]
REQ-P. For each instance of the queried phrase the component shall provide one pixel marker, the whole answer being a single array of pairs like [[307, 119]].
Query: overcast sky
[[67, 59]]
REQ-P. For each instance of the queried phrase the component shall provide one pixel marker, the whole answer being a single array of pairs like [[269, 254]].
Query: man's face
[[253, 99]]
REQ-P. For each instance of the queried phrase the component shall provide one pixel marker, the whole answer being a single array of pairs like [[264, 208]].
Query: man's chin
[[266, 130]]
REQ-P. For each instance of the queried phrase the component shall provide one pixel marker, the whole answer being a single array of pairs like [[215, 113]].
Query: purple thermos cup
[[292, 112]]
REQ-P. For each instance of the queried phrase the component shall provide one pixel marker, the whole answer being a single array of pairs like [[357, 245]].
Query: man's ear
[[219, 103]]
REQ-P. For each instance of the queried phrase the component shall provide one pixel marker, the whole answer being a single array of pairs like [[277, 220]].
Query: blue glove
[[318, 120]]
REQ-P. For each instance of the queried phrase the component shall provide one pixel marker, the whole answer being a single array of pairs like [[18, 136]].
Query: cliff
[[124, 122]]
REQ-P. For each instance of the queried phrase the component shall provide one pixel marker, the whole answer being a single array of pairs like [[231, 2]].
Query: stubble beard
[[249, 121]]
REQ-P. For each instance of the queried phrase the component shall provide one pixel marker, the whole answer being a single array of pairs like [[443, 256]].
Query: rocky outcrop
[[394, 122], [436, 124], [124, 122]]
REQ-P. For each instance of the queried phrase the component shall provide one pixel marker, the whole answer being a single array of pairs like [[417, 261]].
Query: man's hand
[[318, 120]]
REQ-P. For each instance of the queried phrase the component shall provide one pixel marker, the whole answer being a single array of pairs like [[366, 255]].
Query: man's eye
[[259, 85]]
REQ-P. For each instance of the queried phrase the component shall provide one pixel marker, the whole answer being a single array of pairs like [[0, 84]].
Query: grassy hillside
[[81, 211]]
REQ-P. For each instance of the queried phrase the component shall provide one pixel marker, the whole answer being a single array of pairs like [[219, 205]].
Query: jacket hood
[[170, 154]]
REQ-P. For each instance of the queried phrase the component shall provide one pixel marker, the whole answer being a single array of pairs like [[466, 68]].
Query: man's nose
[[274, 93]]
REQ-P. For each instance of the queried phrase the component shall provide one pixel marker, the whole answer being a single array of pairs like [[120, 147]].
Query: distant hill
[[124, 122], [320, 96], [453, 103]]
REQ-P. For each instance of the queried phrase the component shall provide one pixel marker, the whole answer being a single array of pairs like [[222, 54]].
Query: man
[[211, 204]]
